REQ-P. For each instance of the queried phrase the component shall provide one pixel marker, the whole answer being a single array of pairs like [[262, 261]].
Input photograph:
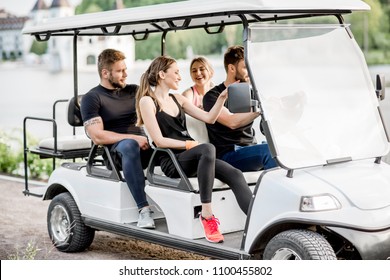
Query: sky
[[23, 7]]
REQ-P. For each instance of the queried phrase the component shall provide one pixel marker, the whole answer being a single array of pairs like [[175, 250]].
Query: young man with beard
[[109, 116], [232, 134]]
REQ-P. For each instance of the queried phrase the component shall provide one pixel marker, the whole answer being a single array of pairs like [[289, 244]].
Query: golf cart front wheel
[[299, 245]]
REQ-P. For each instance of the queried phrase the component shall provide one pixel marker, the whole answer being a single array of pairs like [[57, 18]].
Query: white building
[[90, 47], [11, 41], [60, 49]]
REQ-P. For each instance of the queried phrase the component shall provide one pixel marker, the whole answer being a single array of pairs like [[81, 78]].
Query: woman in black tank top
[[163, 115]]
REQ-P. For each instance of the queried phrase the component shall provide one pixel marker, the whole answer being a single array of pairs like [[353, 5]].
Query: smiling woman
[[201, 73]]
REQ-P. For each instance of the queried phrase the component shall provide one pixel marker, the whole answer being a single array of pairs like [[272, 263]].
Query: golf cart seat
[[63, 147]]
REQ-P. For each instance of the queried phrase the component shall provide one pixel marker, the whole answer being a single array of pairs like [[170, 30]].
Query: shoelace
[[148, 212], [213, 224]]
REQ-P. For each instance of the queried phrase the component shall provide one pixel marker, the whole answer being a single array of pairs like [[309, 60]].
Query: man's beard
[[115, 84], [241, 79]]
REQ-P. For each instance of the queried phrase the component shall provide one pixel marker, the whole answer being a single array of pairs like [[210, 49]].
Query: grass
[[28, 253]]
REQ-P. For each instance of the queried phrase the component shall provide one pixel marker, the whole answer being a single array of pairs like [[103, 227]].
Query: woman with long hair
[[201, 73], [163, 115]]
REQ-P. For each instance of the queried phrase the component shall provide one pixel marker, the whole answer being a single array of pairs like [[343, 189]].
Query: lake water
[[31, 91]]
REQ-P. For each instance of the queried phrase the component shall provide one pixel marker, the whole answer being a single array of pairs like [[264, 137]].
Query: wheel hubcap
[[60, 224], [286, 254]]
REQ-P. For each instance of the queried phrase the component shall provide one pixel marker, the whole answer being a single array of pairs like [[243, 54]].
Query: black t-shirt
[[115, 107], [222, 136]]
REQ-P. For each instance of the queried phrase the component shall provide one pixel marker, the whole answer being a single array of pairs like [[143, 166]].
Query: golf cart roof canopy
[[141, 21]]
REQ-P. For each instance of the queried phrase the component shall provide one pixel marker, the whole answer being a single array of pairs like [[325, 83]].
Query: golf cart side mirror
[[380, 86], [240, 98]]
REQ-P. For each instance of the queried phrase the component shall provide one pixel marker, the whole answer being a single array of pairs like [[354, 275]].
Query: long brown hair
[[151, 78]]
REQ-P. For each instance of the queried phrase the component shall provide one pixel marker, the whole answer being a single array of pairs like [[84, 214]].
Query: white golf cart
[[330, 197]]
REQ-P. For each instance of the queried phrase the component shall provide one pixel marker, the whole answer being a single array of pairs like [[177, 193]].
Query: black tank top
[[172, 127]]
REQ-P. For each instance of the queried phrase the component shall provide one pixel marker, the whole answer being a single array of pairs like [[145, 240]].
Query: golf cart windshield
[[316, 94]]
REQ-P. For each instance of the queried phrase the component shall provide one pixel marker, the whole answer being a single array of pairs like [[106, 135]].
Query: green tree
[[177, 46], [91, 6], [149, 48], [365, 23], [371, 31]]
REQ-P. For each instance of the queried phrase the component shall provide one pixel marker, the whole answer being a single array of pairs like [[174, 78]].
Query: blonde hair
[[151, 78], [202, 60]]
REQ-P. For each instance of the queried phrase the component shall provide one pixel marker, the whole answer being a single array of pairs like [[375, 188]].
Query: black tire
[[66, 228], [299, 245]]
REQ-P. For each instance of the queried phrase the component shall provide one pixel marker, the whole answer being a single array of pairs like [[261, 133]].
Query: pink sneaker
[[210, 227]]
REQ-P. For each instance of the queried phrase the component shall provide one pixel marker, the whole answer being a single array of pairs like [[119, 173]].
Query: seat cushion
[[250, 177], [67, 143]]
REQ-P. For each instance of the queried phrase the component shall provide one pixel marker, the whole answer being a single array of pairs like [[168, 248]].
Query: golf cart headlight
[[322, 202]]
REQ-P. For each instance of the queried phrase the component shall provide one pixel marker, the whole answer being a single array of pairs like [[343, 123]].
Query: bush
[[8, 158], [8, 162], [12, 162]]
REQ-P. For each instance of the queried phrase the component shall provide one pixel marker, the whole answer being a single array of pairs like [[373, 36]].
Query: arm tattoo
[[92, 121]]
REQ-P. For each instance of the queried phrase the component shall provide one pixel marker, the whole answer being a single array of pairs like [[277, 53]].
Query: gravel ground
[[23, 224]]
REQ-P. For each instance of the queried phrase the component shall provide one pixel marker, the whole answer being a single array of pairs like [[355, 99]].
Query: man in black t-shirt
[[232, 134], [109, 116]]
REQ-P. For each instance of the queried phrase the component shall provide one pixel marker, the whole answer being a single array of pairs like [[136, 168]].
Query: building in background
[[90, 47], [11, 41], [59, 50]]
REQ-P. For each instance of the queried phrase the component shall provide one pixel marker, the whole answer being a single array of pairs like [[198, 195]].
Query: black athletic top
[[172, 127], [115, 107], [222, 136]]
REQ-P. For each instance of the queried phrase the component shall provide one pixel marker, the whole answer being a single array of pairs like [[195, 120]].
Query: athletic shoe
[[210, 227], [145, 219]]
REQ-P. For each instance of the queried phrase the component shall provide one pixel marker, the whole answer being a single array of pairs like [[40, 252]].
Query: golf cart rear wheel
[[66, 228], [299, 245]]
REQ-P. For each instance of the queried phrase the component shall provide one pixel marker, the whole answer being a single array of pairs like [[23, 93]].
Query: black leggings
[[201, 161]]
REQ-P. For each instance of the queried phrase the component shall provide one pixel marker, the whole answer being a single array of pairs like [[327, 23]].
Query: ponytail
[[143, 90]]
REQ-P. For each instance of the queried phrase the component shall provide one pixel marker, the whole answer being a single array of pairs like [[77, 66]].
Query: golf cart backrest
[[74, 112]]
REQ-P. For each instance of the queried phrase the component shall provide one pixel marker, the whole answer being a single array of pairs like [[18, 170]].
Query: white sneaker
[[145, 219]]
